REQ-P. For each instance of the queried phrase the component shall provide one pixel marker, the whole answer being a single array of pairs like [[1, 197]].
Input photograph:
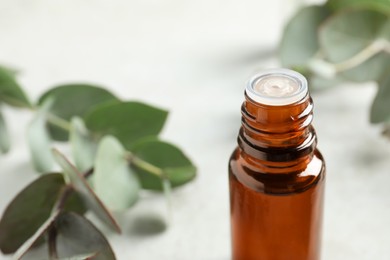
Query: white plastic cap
[[277, 87]]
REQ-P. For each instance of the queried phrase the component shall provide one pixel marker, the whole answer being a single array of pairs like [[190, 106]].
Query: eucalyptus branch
[[95, 142], [329, 70]]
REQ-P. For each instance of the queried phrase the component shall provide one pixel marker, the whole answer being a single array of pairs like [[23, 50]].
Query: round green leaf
[[10, 91], [77, 235], [175, 166], [28, 211], [348, 33], [83, 146], [380, 109], [5, 140], [39, 141], [378, 5], [127, 121], [82, 187], [114, 182], [73, 100], [299, 40]]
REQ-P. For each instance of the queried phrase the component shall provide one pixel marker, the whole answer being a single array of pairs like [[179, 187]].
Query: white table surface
[[193, 58]]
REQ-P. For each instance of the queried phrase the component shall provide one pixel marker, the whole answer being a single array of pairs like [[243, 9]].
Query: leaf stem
[[52, 241], [58, 121], [55, 120], [144, 165], [365, 54], [66, 192], [329, 70]]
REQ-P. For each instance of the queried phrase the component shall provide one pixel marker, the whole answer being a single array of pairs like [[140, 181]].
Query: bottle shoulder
[[294, 181]]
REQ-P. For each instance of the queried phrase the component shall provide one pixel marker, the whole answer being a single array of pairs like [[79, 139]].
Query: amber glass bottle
[[276, 174]]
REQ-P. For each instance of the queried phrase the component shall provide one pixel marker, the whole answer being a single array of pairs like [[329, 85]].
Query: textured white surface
[[182, 55]]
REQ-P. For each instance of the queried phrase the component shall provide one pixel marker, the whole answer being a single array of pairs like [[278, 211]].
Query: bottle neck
[[278, 139]]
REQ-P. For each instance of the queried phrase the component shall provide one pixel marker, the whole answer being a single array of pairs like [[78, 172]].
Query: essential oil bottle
[[276, 173]]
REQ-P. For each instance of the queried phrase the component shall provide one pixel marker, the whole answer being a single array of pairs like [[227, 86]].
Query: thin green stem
[[58, 121], [365, 54], [55, 120], [144, 165], [329, 70]]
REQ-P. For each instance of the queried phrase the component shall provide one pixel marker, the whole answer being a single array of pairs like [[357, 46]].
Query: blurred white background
[[193, 58]]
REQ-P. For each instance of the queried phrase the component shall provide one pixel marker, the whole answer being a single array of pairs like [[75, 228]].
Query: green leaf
[[299, 40], [318, 83], [5, 143], [86, 193], [377, 5], [175, 166], [36, 236], [380, 109], [347, 34], [74, 100], [77, 235], [10, 91], [83, 146], [39, 141], [11, 70], [127, 121], [114, 182], [75, 203], [28, 211]]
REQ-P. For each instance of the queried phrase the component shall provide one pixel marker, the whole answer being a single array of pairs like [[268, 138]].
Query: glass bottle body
[[276, 178], [282, 226]]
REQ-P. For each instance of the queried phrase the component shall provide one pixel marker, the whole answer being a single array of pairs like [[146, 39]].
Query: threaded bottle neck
[[278, 134]]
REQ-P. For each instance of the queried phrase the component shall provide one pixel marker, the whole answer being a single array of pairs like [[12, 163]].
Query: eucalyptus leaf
[[86, 193], [75, 203], [377, 5], [348, 33], [83, 146], [10, 91], [28, 211], [5, 143], [114, 182], [380, 109], [318, 83], [74, 100], [76, 235], [39, 141], [299, 40], [11, 70], [127, 121], [36, 236], [174, 164]]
